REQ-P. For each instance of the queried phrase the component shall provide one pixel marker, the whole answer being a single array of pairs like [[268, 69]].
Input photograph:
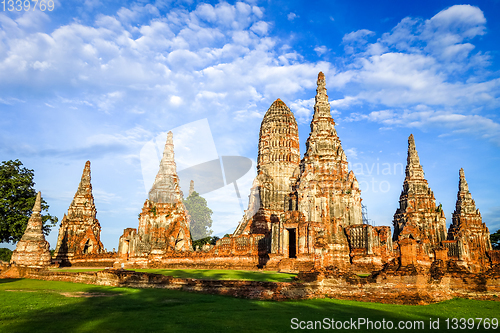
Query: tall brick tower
[[163, 222], [278, 159], [80, 231], [326, 190]]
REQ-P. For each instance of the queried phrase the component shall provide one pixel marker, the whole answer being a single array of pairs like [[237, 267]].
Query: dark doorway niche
[[292, 243], [86, 247]]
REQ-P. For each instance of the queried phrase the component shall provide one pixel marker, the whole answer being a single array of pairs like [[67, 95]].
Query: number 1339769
[[26, 5]]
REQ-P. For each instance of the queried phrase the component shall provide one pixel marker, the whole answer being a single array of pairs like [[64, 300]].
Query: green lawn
[[211, 274], [221, 274], [46, 306]]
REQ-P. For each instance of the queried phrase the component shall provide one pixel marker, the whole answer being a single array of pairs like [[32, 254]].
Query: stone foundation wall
[[242, 252], [88, 260], [193, 260], [402, 288]]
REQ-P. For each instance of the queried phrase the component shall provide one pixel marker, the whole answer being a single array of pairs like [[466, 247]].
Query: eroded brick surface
[[164, 222], [467, 230], [33, 250], [80, 231], [418, 220]]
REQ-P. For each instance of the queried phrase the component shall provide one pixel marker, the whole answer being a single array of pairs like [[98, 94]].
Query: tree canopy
[[201, 216], [495, 240], [17, 198], [5, 254]]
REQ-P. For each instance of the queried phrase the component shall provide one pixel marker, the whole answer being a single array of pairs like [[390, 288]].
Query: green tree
[[17, 198], [495, 240], [5, 254], [205, 240], [201, 216]]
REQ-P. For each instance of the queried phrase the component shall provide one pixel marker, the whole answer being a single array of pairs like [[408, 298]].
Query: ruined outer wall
[[242, 252], [403, 289], [92, 260], [370, 247]]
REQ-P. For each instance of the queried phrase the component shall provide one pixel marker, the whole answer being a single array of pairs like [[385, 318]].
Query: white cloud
[[303, 110], [356, 40], [291, 16], [176, 100], [419, 62], [351, 154], [320, 50], [424, 117], [260, 28]]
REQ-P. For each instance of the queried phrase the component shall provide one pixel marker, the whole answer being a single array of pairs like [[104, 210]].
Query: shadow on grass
[[156, 310], [223, 274], [8, 280]]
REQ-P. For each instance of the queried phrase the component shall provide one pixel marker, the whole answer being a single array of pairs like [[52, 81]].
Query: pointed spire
[[33, 250], [37, 208], [167, 162], [85, 183], [413, 168], [34, 227], [83, 201], [80, 225], [323, 139], [191, 187], [166, 186], [465, 203], [321, 106], [462, 183]]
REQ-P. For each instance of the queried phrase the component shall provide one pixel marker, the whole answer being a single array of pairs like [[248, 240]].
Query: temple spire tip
[[37, 208]]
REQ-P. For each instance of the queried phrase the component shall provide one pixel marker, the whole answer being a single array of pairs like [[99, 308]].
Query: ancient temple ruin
[[163, 222], [80, 231], [301, 208], [33, 250], [322, 198], [278, 160], [469, 238], [303, 214], [419, 225]]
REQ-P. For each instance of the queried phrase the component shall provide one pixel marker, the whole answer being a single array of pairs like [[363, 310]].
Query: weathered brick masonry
[[406, 287]]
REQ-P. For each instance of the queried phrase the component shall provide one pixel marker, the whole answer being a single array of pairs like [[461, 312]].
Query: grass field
[[48, 306], [220, 274], [210, 274]]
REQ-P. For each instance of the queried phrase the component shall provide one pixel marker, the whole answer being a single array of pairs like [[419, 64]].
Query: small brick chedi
[[163, 222], [419, 225], [80, 231], [469, 238], [33, 250]]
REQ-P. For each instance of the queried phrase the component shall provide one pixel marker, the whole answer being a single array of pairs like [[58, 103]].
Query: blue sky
[[102, 80]]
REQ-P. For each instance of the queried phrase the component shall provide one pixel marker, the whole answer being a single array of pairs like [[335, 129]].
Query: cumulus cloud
[[138, 58], [303, 110], [356, 40], [320, 50], [423, 62]]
